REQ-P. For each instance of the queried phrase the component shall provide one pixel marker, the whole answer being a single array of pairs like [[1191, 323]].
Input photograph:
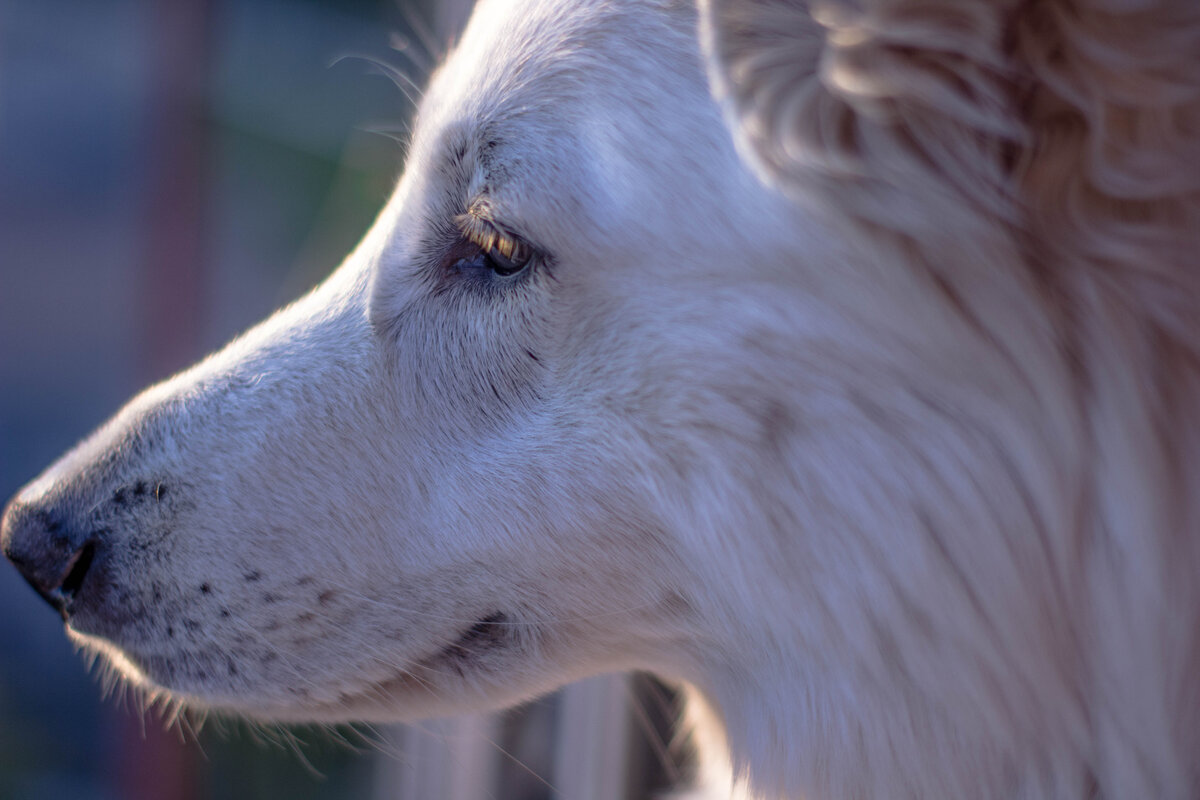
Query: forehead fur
[[541, 110], [516, 60]]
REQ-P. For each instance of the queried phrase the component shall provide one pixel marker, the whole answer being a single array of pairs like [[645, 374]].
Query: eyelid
[[483, 232]]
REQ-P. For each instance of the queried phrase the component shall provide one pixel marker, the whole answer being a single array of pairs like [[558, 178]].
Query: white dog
[[880, 429]]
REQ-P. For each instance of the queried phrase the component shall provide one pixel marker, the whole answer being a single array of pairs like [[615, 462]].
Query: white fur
[[891, 458]]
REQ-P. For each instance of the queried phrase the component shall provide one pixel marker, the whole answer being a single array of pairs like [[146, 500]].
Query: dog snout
[[52, 555]]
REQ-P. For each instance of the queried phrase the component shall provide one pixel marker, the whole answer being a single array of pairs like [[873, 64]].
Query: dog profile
[[840, 360]]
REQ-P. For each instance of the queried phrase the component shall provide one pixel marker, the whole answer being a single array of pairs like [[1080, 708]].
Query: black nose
[[47, 553]]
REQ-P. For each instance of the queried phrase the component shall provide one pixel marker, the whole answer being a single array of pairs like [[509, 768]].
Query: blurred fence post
[[155, 763], [446, 759], [591, 757], [173, 265]]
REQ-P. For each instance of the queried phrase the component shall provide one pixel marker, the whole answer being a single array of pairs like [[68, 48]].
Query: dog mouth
[[478, 651], [489, 634]]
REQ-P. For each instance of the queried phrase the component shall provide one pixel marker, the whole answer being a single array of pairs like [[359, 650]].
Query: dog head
[[462, 470]]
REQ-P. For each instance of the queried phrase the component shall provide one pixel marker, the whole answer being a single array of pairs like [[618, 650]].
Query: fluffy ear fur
[[895, 105], [1076, 122], [1109, 91]]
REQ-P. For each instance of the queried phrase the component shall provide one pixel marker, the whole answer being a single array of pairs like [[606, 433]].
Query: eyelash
[[502, 253]]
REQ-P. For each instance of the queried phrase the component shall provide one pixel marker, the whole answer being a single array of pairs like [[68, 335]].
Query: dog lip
[[486, 629], [484, 634]]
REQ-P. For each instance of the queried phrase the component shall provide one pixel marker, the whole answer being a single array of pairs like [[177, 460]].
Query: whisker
[[398, 132], [410, 88], [434, 50], [553, 790], [404, 46]]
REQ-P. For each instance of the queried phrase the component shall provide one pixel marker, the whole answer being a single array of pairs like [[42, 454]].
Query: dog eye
[[502, 260], [503, 253], [508, 260]]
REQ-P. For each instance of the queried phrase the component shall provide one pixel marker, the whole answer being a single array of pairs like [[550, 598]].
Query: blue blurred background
[[170, 172]]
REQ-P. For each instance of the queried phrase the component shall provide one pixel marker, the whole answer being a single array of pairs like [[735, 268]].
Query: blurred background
[[171, 171]]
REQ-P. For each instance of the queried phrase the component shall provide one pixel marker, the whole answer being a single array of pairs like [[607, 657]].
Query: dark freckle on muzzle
[[140, 491]]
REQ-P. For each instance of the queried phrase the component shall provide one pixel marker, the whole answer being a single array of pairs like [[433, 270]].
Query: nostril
[[77, 568], [50, 555]]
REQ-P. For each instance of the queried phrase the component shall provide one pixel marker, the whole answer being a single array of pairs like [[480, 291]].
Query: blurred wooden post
[[172, 275], [447, 759], [154, 763], [591, 758]]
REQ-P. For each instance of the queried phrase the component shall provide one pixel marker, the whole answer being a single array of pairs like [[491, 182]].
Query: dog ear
[[1070, 119], [1110, 181], [902, 109]]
